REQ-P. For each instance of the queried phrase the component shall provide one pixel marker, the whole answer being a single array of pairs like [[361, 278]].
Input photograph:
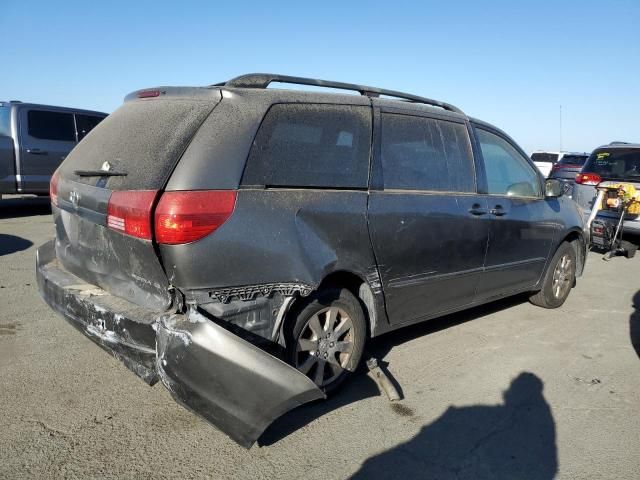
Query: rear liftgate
[[231, 383]]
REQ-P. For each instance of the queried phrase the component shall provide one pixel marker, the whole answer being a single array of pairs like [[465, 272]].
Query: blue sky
[[510, 63]]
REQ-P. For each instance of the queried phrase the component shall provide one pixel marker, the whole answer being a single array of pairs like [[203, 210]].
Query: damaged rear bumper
[[124, 330], [228, 381], [233, 384]]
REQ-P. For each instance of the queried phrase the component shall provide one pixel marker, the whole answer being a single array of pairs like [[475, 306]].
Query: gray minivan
[[35, 139], [241, 243]]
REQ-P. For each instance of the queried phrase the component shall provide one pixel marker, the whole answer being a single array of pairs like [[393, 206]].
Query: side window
[[309, 145], [86, 123], [426, 154], [508, 172], [5, 121], [47, 125]]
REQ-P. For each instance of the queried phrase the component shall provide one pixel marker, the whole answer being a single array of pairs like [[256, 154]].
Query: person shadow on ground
[[514, 440]]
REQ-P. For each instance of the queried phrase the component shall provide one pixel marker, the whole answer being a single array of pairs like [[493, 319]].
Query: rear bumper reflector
[[116, 223]]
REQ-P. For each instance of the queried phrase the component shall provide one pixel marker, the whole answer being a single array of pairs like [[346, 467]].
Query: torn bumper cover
[[230, 382], [234, 385]]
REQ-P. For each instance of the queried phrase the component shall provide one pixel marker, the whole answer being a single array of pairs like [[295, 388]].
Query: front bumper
[[228, 381]]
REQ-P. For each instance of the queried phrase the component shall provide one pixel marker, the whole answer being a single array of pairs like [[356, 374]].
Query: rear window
[[47, 125], [577, 160], [544, 157], [5, 121], [426, 154], [143, 138], [615, 164], [309, 145]]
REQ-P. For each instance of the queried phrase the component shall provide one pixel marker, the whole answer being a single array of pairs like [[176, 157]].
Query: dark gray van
[[241, 243], [34, 140]]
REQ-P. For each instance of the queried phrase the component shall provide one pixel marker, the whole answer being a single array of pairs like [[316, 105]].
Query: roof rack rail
[[262, 80]]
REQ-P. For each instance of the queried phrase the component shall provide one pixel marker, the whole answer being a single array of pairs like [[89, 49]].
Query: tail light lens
[[129, 211], [588, 179], [53, 188], [183, 217]]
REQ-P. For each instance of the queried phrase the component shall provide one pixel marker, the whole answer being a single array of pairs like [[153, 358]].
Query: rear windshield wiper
[[98, 173]]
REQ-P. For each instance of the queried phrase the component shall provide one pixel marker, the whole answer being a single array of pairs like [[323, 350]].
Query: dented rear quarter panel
[[275, 235], [278, 236]]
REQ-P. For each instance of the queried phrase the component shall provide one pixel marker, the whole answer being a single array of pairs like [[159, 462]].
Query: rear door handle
[[36, 151], [476, 209], [498, 211]]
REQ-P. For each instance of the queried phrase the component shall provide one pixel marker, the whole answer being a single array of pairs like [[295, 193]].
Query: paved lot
[[504, 391]]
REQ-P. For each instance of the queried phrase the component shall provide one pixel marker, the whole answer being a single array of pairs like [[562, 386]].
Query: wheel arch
[[368, 296], [576, 239], [360, 289]]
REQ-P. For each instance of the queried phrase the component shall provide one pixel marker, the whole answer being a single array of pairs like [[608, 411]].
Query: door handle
[[36, 151], [476, 209], [498, 211]]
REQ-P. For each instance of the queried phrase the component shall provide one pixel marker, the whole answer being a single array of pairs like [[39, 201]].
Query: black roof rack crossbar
[[262, 80]]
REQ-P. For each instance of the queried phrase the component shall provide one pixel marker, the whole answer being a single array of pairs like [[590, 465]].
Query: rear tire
[[558, 280], [325, 336]]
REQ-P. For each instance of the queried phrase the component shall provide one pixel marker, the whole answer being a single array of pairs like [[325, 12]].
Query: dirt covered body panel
[[124, 266], [278, 241], [137, 148]]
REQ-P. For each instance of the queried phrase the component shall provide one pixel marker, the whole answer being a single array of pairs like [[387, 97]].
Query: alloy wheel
[[325, 345], [562, 276]]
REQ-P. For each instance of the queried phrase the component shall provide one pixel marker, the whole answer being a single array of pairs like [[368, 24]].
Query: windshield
[[577, 160], [615, 164], [544, 157]]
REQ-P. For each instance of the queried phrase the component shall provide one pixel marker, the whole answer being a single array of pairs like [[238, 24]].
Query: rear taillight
[[129, 211], [183, 217], [588, 179], [53, 188]]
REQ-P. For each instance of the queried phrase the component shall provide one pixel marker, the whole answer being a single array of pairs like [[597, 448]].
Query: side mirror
[[553, 188]]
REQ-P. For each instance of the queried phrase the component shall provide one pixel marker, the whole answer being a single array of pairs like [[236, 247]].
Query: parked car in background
[[241, 243], [568, 166], [35, 139], [545, 161], [615, 162]]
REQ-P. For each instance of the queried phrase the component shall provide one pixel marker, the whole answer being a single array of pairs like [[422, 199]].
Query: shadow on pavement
[[24, 207], [513, 440], [362, 386], [634, 324], [11, 243]]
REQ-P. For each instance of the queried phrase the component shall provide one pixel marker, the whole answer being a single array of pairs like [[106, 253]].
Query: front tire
[[559, 279], [325, 337]]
